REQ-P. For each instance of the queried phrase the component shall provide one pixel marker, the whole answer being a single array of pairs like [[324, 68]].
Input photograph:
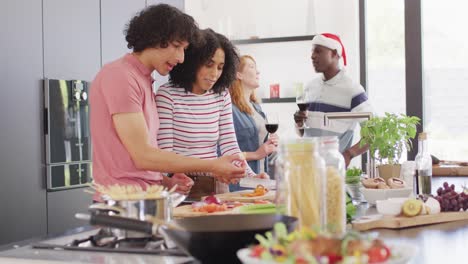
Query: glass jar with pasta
[[301, 189], [335, 181]]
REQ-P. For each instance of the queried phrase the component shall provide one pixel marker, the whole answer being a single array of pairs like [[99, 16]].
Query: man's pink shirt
[[122, 86]]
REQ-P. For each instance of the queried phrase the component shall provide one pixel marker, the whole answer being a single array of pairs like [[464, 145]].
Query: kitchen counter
[[440, 243], [23, 252]]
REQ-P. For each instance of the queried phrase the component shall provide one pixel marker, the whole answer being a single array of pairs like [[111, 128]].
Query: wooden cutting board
[[237, 196], [398, 222], [449, 170], [187, 211]]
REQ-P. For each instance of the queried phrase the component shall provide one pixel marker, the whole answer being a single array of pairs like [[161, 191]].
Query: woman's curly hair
[[157, 26], [196, 56]]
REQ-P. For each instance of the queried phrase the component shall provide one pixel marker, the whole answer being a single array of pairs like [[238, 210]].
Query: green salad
[[309, 246]]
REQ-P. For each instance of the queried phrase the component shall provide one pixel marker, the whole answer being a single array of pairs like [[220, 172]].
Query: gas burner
[[101, 239], [104, 241]]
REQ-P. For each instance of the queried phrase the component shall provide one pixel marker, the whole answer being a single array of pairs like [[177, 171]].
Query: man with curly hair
[[124, 119], [195, 106]]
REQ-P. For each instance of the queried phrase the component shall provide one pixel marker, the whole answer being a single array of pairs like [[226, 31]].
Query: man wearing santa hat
[[334, 91]]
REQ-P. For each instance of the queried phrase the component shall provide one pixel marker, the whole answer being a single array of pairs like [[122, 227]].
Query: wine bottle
[[423, 166]]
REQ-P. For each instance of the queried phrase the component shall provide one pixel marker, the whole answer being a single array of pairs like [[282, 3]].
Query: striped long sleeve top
[[339, 94], [196, 125]]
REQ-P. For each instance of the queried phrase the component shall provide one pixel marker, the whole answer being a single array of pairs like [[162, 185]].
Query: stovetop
[[102, 240], [59, 249]]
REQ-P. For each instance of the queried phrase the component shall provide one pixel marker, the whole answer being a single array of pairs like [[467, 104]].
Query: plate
[[250, 182], [401, 254], [373, 195], [237, 196]]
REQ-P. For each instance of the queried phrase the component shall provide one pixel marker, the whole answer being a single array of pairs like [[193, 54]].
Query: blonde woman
[[249, 119]]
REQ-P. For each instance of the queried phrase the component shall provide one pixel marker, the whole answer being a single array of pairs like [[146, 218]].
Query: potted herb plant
[[388, 136]]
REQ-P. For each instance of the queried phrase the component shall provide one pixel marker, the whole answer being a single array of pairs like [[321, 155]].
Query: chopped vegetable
[[258, 209], [212, 199], [353, 175], [309, 246], [350, 209], [209, 208], [260, 190]]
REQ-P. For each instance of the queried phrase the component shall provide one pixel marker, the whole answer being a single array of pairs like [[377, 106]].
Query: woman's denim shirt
[[247, 134]]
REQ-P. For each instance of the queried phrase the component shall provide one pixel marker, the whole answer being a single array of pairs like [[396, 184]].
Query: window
[[386, 55], [445, 77]]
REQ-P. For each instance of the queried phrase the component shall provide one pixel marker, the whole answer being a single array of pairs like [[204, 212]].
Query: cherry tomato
[[378, 254]]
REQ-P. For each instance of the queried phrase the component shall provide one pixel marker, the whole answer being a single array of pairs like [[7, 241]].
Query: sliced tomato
[[332, 259], [378, 254], [301, 260], [256, 251]]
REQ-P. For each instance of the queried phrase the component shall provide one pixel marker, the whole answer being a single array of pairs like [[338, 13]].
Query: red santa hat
[[330, 41]]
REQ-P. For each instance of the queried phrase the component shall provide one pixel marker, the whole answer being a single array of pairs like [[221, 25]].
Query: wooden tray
[[187, 211], [449, 170], [397, 222], [237, 196]]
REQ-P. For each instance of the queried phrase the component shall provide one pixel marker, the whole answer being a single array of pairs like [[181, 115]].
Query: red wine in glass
[[301, 131], [271, 128], [302, 106]]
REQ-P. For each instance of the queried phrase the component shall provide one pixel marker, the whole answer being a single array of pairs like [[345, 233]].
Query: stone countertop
[[437, 243]]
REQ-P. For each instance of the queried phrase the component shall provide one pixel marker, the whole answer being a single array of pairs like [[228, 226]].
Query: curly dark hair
[[184, 75], [158, 25]]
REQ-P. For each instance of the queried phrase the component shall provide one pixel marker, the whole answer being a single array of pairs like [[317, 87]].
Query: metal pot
[[144, 210]]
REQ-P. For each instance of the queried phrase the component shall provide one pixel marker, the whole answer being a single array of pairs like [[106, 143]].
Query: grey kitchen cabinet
[[62, 207], [72, 46], [72, 51], [22, 179], [115, 15]]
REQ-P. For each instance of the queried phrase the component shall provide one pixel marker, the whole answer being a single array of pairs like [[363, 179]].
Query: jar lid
[[329, 140], [300, 145]]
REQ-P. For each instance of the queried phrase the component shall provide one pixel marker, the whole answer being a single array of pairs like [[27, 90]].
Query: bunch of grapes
[[450, 200]]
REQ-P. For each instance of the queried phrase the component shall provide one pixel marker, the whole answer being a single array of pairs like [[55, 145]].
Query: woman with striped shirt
[[195, 109]]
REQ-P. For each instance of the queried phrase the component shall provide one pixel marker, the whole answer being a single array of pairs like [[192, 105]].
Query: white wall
[[247, 18], [342, 18], [286, 62]]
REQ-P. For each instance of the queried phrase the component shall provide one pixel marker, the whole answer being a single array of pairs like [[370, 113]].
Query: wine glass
[[303, 101], [272, 122], [301, 97]]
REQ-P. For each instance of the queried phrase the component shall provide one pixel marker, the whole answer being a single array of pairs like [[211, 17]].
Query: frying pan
[[210, 239], [216, 239]]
